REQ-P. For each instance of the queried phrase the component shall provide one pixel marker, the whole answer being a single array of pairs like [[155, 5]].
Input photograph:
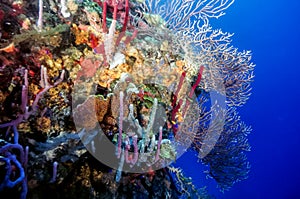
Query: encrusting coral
[[150, 76]]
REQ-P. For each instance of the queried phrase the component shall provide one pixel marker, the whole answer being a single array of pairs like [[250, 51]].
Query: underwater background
[[271, 30]]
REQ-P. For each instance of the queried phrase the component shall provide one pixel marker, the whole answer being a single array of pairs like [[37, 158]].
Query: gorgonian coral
[[145, 80], [220, 137]]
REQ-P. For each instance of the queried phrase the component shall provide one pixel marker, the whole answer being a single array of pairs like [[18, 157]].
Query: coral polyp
[[100, 97]]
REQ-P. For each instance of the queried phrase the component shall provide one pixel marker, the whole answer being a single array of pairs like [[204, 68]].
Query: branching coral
[[227, 160], [173, 41], [185, 185], [221, 136], [184, 15], [150, 77]]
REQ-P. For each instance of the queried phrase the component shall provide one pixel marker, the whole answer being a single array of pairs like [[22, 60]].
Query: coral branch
[[182, 77], [126, 16], [158, 144], [40, 19], [8, 183], [115, 5], [192, 91], [54, 172], [136, 151], [8, 147], [104, 13], [46, 86], [120, 124]]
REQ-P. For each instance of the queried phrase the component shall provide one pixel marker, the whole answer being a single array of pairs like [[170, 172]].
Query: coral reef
[[99, 97]]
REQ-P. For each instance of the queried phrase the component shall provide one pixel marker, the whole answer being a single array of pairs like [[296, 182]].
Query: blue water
[[271, 30]]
